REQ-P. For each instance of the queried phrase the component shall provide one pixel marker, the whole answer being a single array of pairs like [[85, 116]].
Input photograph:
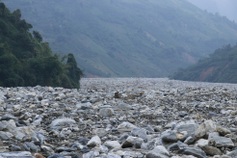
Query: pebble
[[120, 117]]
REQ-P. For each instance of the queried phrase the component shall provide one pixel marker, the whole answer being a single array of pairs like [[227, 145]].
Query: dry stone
[[120, 117]]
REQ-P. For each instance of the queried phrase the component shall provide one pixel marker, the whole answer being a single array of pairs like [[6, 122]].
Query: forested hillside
[[128, 38], [221, 66], [26, 60]]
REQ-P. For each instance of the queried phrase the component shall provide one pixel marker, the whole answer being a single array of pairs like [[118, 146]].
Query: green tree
[[25, 60], [74, 72]]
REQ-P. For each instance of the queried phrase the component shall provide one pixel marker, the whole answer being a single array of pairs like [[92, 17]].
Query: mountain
[[224, 8], [221, 66], [128, 38], [26, 60]]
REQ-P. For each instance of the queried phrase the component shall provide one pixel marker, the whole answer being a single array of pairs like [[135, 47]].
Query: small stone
[[222, 131], [5, 135], [63, 148], [158, 152], [140, 132], [56, 156], [23, 132], [182, 135], [94, 141], [91, 154], [61, 123], [219, 141], [189, 140], [232, 153], [38, 155], [132, 141], [211, 150], [101, 132], [169, 136], [201, 143], [126, 126], [184, 156], [112, 144], [149, 145], [25, 154], [188, 127], [106, 112], [205, 128], [195, 151], [179, 147], [31, 147]]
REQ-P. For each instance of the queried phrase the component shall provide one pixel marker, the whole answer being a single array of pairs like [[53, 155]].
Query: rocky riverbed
[[120, 118]]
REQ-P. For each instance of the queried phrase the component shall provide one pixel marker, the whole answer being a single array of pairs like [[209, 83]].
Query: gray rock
[[91, 154], [184, 156], [126, 126], [219, 141], [30, 146], [149, 145], [158, 152], [15, 148], [139, 132], [112, 144], [47, 149], [195, 151], [222, 130], [123, 106], [8, 125], [178, 147], [132, 142], [232, 153], [61, 123], [201, 143], [190, 140], [186, 126], [63, 148], [206, 127], [8, 117], [169, 136], [106, 112], [130, 153], [84, 106], [57, 120], [211, 150], [5, 135], [20, 154], [112, 155], [101, 132], [94, 141], [56, 156]]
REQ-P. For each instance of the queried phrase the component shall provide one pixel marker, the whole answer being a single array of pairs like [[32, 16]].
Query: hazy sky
[[226, 8]]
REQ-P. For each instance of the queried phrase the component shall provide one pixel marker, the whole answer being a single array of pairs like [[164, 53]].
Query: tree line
[[26, 60]]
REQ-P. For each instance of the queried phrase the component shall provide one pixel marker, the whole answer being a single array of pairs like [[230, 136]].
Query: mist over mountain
[[121, 38], [223, 7], [220, 66]]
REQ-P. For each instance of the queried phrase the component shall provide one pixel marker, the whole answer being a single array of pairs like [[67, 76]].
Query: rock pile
[[120, 118]]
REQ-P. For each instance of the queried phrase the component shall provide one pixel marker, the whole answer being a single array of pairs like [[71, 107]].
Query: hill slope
[[226, 8], [25, 60], [221, 66], [128, 38]]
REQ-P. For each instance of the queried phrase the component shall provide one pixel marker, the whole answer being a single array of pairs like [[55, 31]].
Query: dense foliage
[[221, 66], [25, 60], [128, 37]]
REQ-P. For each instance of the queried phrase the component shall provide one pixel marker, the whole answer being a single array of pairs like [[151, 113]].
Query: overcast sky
[[226, 8]]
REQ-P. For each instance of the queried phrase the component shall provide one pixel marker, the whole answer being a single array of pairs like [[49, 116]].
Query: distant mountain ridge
[[224, 8], [221, 66], [135, 38]]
